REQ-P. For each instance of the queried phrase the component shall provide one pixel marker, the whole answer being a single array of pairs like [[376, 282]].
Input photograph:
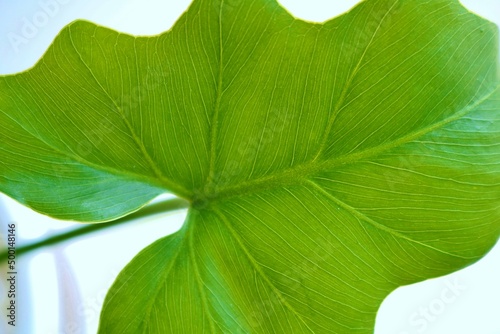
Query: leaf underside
[[327, 164]]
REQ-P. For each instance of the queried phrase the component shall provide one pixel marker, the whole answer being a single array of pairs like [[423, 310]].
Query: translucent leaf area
[[326, 164]]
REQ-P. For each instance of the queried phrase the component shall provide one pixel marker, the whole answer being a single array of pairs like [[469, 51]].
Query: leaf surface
[[327, 164]]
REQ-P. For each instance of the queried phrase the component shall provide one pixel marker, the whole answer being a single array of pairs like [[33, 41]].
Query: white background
[[80, 272]]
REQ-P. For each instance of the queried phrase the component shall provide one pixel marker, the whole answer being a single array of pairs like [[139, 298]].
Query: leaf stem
[[154, 209]]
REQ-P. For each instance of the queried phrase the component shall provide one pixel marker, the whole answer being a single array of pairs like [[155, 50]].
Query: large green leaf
[[326, 164]]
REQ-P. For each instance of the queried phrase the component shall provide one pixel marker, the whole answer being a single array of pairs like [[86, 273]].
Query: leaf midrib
[[301, 173], [198, 278], [140, 145], [87, 163], [362, 217], [259, 270], [340, 103], [215, 118]]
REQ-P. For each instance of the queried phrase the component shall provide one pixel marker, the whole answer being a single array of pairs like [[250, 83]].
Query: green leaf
[[326, 164]]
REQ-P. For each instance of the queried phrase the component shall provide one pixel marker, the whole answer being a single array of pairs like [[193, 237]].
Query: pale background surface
[[463, 303]]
